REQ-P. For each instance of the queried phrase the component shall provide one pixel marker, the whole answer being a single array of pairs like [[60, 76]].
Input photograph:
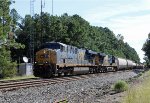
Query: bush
[[7, 67], [9, 70], [140, 74], [120, 86]]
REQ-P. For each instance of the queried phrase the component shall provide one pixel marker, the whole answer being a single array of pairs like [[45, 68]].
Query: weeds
[[139, 93], [120, 86]]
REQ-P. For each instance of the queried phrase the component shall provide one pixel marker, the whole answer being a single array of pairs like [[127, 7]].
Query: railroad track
[[13, 85]]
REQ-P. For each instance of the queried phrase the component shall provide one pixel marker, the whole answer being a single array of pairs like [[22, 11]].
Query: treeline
[[72, 30], [146, 49]]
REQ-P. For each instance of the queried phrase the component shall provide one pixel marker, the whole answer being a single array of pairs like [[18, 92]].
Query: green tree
[[7, 67], [147, 61], [146, 48]]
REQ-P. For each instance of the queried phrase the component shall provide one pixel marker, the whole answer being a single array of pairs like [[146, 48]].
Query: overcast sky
[[131, 18]]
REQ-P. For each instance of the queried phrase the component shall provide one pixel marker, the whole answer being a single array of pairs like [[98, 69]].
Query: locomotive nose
[[46, 56]]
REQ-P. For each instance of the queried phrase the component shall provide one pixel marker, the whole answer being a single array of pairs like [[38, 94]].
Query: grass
[[120, 86], [18, 78], [139, 93]]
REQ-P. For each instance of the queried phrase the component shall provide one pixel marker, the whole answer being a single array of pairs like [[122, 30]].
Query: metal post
[[3, 22], [31, 33], [52, 7], [41, 24], [3, 18]]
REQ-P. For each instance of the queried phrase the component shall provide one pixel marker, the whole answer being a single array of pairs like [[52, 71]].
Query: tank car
[[139, 66], [123, 64], [134, 65], [130, 64]]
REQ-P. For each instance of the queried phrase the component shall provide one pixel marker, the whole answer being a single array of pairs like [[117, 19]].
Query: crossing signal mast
[[31, 43]]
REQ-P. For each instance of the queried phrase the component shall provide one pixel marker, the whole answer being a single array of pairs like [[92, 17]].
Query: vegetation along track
[[13, 85]]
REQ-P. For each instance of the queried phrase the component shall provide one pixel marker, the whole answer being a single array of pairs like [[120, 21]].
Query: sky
[[130, 18]]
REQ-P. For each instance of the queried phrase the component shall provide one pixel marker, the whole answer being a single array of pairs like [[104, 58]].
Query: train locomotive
[[55, 58]]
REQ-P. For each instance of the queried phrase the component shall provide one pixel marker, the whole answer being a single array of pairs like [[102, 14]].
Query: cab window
[[76, 50], [61, 48]]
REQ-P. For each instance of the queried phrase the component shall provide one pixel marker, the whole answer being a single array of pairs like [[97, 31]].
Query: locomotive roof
[[62, 44], [94, 53], [102, 54], [91, 52], [57, 43]]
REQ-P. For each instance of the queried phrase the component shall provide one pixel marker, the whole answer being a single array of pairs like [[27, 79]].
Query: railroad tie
[[61, 101]]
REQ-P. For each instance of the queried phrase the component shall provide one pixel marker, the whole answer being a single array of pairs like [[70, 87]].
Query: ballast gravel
[[91, 90]]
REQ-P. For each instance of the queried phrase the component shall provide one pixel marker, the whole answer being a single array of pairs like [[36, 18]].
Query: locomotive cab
[[46, 59], [47, 53]]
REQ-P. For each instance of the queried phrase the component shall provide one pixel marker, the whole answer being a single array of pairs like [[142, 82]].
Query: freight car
[[55, 58]]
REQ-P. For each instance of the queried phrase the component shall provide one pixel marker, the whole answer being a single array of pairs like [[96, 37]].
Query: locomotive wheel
[[97, 70], [106, 70], [65, 73], [116, 69], [90, 70], [71, 72], [35, 72], [102, 70], [59, 74], [47, 72]]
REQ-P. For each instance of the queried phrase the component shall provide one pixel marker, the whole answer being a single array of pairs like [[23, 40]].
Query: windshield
[[50, 46]]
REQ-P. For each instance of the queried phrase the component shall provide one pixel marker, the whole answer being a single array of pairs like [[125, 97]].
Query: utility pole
[[31, 43], [52, 7], [32, 7], [42, 6], [41, 24]]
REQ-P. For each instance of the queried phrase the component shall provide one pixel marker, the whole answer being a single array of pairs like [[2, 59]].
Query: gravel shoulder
[[97, 89]]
